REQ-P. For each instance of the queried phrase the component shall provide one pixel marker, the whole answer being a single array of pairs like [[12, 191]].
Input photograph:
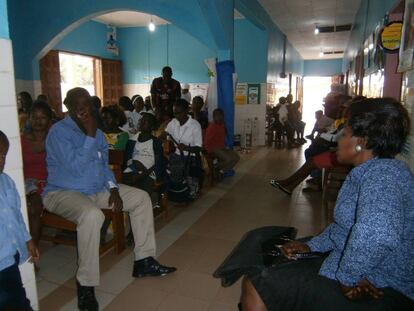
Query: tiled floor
[[196, 240]]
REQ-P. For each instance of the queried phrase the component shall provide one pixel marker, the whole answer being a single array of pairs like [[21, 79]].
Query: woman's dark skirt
[[297, 286]]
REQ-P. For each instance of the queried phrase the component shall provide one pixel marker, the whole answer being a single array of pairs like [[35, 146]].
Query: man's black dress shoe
[[150, 267], [86, 298]]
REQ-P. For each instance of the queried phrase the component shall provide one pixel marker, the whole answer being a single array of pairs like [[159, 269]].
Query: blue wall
[[255, 13], [47, 21], [323, 68], [369, 15], [89, 38], [178, 49], [4, 26], [250, 51], [181, 51]]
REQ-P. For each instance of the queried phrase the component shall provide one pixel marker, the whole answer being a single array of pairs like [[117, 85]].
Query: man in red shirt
[[214, 142], [165, 91]]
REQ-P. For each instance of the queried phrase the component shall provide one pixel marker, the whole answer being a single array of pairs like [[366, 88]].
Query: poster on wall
[[408, 101], [111, 44], [253, 93], [407, 40], [241, 94], [390, 38]]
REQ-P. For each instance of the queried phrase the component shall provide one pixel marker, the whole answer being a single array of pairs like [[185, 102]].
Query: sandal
[[276, 184]]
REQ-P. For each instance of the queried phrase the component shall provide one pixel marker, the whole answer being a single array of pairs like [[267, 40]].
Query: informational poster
[[408, 101], [111, 44], [407, 40], [253, 93], [241, 94], [391, 36]]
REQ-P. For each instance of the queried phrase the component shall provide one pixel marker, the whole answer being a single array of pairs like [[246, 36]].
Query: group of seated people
[[321, 153], [66, 169], [286, 119]]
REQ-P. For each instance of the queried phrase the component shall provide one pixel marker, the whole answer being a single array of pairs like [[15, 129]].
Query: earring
[[358, 148]]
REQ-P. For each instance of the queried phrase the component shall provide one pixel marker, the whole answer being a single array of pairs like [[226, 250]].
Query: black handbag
[[251, 253]]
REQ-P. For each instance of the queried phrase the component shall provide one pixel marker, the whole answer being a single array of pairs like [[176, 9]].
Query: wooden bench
[[333, 179], [117, 218]]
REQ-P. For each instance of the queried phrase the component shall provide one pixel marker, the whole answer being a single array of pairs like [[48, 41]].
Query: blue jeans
[[12, 293]]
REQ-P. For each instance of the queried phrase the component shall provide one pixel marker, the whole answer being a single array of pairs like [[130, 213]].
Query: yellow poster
[[391, 36], [241, 94]]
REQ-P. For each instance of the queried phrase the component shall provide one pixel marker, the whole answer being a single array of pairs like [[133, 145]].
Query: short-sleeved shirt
[[144, 153], [188, 134], [168, 92], [215, 137]]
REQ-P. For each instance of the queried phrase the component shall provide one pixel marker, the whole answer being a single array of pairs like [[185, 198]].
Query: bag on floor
[[247, 256]]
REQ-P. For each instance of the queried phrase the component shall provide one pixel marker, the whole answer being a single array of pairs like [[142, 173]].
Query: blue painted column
[[4, 25]]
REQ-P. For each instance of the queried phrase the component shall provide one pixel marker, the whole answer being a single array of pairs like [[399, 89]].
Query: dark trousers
[[12, 293]]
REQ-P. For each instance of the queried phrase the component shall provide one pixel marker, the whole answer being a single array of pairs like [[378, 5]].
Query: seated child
[[113, 119], [148, 163], [214, 143], [16, 245]]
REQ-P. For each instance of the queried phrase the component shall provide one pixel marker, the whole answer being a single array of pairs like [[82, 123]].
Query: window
[[76, 71]]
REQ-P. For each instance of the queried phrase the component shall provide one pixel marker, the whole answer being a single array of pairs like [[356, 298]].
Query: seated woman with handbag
[[185, 163], [368, 261]]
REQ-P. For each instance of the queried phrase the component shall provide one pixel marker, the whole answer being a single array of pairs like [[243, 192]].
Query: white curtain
[[211, 100]]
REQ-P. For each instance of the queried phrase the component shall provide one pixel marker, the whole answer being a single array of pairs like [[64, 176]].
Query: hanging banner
[[111, 44], [390, 37], [253, 94], [241, 94], [211, 99]]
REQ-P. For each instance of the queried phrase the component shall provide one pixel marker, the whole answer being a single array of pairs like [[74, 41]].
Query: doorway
[[315, 90]]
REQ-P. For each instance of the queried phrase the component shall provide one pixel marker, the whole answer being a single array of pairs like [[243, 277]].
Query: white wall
[[14, 166], [243, 112], [34, 87]]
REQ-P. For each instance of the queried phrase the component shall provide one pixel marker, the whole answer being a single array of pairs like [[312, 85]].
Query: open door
[[50, 79], [111, 81]]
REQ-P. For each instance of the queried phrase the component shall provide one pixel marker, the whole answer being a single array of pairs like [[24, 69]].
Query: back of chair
[[116, 159]]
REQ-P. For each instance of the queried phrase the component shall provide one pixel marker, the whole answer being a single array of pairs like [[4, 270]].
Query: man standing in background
[[165, 91]]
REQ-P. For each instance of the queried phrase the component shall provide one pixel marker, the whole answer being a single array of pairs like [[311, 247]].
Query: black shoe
[[150, 267], [86, 298]]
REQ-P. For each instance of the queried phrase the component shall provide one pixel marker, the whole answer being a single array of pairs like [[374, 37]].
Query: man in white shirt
[[187, 136]]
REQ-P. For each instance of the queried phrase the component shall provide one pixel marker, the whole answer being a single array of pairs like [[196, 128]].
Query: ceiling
[[136, 19], [129, 19], [297, 19]]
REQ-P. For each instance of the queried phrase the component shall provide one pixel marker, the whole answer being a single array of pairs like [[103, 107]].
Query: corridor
[[196, 241]]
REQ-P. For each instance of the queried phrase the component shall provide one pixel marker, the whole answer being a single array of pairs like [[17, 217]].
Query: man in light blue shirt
[[15, 242], [80, 184]]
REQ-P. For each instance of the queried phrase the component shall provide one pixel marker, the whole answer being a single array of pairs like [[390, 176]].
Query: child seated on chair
[[113, 119], [148, 164], [16, 245], [214, 143]]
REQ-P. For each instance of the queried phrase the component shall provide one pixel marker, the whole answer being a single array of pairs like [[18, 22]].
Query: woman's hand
[[33, 251], [291, 248], [364, 288]]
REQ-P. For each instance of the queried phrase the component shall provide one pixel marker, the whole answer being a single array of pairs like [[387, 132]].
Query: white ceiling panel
[[297, 19]]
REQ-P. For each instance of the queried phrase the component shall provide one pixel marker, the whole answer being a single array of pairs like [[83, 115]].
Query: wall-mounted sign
[[390, 38], [253, 94], [241, 94], [111, 43]]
